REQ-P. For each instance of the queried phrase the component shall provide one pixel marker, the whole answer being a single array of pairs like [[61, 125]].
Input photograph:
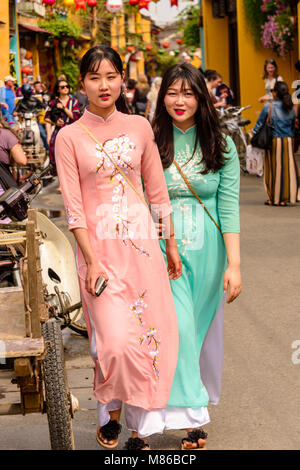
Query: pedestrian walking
[[152, 98], [132, 326], [271, 77], [280, 168], [202, 173], [139, 102], [61, 111]]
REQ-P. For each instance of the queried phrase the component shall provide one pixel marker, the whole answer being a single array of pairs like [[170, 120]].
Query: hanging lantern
[[176, 51], [130, 48], [26, 70], [179, 41], [64, 44], [174, 3], [91, 3], [55, 42], [133, 3], [133, 59], [165, 45], [114, 6], [47, 43], [172, 53], [48, 2], [80, 5], [72, 43], [144, 4], [149, 47], [69, 3], [161, 51]]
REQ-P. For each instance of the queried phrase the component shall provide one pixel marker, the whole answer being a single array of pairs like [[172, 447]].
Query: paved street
[[260, 402]]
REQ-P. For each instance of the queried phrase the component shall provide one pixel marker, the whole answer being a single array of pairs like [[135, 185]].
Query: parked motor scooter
[[59, 274]]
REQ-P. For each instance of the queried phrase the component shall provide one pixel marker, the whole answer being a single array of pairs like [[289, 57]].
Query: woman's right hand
[[60, 122], [94, 270]]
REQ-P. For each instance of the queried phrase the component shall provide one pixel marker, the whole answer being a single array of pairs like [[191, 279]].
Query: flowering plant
[[277, 32], [271, 22]]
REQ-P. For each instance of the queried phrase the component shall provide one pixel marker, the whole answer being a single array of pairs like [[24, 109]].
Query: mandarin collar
[[97, 118], [188, 131]]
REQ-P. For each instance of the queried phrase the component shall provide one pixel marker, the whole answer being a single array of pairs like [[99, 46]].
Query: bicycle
[[234, 126]]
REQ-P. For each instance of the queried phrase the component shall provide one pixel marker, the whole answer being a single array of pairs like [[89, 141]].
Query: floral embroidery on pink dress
[[118, 149], [148, 337]]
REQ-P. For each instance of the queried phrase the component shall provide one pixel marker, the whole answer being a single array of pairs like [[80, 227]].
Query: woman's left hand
[[233, 280], [174, 261]]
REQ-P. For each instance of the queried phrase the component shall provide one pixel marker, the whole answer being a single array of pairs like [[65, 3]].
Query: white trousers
[[146, 423]]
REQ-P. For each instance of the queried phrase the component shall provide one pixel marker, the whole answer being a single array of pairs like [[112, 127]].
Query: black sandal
[[135, 443], [197, 436], [109, 432]]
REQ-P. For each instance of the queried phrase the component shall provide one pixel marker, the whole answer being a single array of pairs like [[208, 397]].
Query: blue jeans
[[43, 135]]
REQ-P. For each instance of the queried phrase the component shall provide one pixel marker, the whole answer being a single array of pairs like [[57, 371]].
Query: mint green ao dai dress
[[198, 293]]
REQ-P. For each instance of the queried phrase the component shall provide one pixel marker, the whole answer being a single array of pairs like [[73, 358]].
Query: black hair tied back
[[282, 90]]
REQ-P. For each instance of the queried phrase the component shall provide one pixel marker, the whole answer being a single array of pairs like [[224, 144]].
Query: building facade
[[228, 46]]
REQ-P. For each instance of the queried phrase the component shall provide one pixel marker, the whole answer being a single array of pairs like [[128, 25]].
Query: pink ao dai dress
[[132, 326]]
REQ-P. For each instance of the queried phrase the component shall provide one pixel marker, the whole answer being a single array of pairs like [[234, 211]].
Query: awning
[[32, 27]]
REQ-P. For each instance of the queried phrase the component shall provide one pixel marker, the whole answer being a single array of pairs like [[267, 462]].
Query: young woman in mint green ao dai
[[187, 130]]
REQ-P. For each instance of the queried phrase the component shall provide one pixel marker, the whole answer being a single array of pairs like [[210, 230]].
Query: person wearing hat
[[9, 95]]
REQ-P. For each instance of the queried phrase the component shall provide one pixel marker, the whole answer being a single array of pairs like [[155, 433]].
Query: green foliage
[[60, 27], [71, 70], [165, 61], [189, 25], [255, 18]]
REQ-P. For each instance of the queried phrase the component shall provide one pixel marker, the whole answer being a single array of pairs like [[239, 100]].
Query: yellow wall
[[4, 35], [216, 42], [251, 62]]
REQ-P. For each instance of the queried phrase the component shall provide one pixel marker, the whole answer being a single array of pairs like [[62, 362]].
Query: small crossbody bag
[[196, 195]]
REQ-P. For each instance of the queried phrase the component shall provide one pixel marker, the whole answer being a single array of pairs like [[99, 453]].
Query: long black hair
[[91, 61], [284, 96], [208, 129]]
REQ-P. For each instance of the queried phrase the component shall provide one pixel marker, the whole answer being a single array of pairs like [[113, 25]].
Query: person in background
[[7, 112], [10, 148], [62, 110], [24, 82], [152, 98], [129, 93], [82, 99], [224, 93], [270, 77], [3, 105], [45, 92], [280, 168], [213, 80], [296, 101], [139, 102], [31, 103], [37, 88]]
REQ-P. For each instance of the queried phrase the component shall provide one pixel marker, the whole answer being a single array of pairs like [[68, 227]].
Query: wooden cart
[[32, 343]]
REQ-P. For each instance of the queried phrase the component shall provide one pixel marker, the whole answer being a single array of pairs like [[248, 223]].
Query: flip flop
[[109, 432], [197, 436], [135, 443]]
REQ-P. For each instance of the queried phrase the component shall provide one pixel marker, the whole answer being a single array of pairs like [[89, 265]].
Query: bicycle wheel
[[58, 397]]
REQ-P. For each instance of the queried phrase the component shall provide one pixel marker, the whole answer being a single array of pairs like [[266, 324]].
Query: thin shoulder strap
[[113, 162], [196, 195]]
